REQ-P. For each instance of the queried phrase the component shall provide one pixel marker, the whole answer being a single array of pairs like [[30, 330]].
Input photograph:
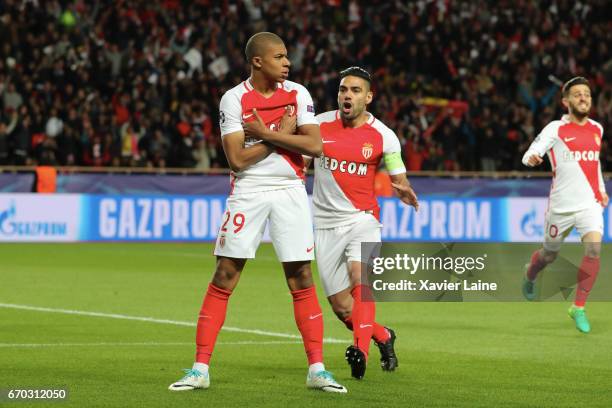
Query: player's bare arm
[[240, 157], [404, 190], [307, 141]]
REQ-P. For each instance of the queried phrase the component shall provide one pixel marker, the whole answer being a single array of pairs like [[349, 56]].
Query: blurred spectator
[[465, 85], [130, 134], [489, 148], [11, 98]]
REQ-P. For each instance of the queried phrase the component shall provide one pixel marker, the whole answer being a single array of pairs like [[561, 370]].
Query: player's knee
[[342, 306], [342, 310], [592, 251], [226, 273], [298, 273]]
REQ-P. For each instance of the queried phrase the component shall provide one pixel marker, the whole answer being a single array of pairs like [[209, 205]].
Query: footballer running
[[577, 196]]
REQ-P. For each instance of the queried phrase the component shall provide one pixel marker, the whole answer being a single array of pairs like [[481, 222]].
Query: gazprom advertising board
[[152, 218], [74, 217], [43, 218]]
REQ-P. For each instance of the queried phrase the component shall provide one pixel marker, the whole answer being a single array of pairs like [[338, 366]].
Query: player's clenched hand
[[288, 123], [605, 200], [534, 160], [256, 128], [407, 195]]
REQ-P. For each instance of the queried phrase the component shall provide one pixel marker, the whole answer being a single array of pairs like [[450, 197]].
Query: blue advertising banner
[[444, 219], [153, 217], [82, 217]]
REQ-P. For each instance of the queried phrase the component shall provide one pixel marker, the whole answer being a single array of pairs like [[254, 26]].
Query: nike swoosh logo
[[246, 116], [569, 139], [336, 387], [205, 317], [329, 141], [310, 249], [363, 326], [315, 316]]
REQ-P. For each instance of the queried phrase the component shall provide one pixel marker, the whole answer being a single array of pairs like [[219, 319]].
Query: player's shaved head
[[258, 43]]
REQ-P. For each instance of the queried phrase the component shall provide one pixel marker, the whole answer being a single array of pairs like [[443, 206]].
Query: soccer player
[[267, 182], [577, 195], [347, 214]]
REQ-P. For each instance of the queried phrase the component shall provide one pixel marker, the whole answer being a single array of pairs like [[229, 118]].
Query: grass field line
[[155, 320], [141, 344]]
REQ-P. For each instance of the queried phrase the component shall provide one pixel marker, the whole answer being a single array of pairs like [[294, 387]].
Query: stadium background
[[466, 85], [121, 99]]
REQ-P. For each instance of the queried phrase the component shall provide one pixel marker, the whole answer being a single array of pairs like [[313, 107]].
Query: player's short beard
[[354, 114], [347, 117], [576, 113]]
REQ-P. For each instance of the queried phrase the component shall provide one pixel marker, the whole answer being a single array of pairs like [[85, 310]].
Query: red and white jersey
[[573, 151], [344, 173], [281, 168]]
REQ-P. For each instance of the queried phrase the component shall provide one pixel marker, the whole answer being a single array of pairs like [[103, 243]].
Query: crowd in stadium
[[465, 85]]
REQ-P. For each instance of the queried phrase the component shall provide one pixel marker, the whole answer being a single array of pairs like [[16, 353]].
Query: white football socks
[[201, 367], [315, 368]]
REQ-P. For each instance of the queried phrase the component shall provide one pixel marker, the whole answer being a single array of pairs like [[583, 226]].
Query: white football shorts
[[559, 225], [290, 223], [336, 247]]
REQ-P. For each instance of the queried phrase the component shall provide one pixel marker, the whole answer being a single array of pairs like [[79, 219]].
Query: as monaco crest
[[222, 241], [367, 150], [597, 139]]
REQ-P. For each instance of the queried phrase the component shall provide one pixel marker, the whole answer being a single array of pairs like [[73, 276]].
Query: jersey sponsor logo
[[344, 166], [581, 155], [246, 116], [366, 150], [569, 139]]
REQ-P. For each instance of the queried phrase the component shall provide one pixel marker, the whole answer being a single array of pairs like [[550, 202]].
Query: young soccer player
[[267, 182], [577, 195]]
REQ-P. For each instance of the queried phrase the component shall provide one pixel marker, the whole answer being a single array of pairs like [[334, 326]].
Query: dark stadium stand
[[466, 85]]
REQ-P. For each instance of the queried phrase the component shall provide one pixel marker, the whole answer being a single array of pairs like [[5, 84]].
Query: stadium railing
[[191, 171]]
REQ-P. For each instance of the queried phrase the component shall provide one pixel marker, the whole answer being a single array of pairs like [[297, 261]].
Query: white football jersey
[[281, 168], [573, 151], [344, 173]]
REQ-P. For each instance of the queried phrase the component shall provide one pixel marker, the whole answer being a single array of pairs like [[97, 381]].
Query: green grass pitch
[[451, 354]]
